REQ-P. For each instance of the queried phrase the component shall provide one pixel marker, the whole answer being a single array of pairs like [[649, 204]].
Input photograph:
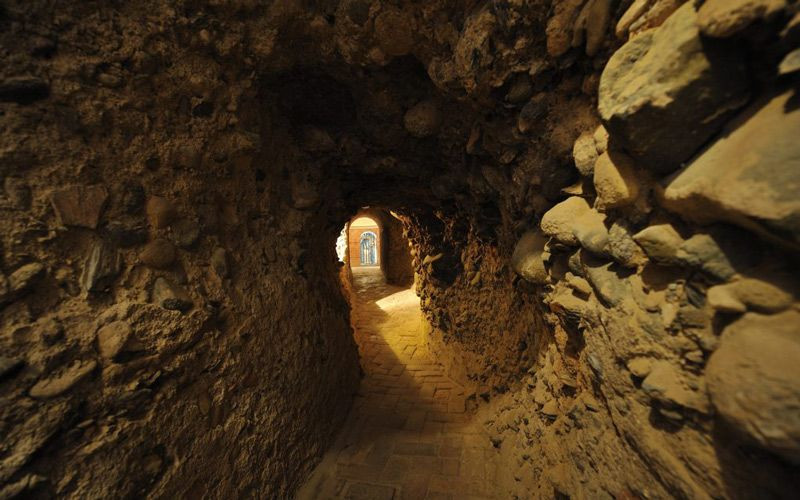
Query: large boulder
[[754, 380], [666, 92], [750, 176]]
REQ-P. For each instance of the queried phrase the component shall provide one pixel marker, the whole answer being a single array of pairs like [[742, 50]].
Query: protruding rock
[[561, 221], [25, 278], [550, 409], [101, 267], [158, 254], [423, 120], [23, 89], [701, 251], [114, 339], [668, 79], [160, 212], [185, 232], [591, 233], [749, 176], [723, 299], [527, 257], [394, 31], [753, 294], [640, 367], [585, 153], [59, 384], [615, 180], [79, 205], [663, 384], [171, 296], [622, 248], [660, 242], [790, 63], [593, 23], [754, 380], [610, 287], [724, 18]]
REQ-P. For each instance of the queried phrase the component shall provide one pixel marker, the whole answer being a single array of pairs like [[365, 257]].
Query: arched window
[[369, 248]]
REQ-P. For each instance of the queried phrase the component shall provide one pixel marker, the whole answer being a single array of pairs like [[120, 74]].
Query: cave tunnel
[[399, 250]]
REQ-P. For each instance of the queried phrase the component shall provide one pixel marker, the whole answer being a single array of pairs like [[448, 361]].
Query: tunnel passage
[[600, 200]]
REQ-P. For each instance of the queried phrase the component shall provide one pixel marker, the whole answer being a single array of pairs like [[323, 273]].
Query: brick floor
[[408, 435]]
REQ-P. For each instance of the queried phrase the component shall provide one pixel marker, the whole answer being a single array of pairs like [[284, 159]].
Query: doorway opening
[[364, 243]]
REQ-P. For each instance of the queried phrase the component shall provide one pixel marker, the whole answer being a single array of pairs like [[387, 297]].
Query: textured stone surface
[[60, 383], [669, 80], [615, 180], [527, 257], [158, 254], [723, 18], [79, 205], [750, 176], [272, 124], [753, 379], [171, 296]]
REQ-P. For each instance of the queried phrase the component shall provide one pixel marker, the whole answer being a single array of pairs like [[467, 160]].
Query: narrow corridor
[[408, 435]]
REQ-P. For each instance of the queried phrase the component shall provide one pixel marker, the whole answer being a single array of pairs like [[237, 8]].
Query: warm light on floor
[[397, 300]]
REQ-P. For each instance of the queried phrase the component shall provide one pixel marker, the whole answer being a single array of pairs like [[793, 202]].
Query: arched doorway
[[368, 249], [364, 240]]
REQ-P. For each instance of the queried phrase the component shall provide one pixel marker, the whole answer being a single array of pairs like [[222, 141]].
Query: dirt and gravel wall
[[601, 200]]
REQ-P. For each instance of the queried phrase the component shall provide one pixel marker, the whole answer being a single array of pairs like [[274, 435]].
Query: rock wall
[[654, 276], [164, 331], [600, 197]]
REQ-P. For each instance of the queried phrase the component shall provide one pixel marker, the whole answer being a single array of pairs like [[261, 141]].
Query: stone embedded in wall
[[62, 382], [423, 120], [158, 254], [724, 18], [607, 281], [664, 383], [584, 152], [615, 180], [24, 278], [116, 338], [750, 176], [573, 217], [160, 212], [79, 205], [622, 248], [100, 267], [527, 259], [754, 380], [591, 25], [185, 232], [660, 242], [749, 294], [23, 89], [665, 92], [171, 296], [559, 26], [394, 31]]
